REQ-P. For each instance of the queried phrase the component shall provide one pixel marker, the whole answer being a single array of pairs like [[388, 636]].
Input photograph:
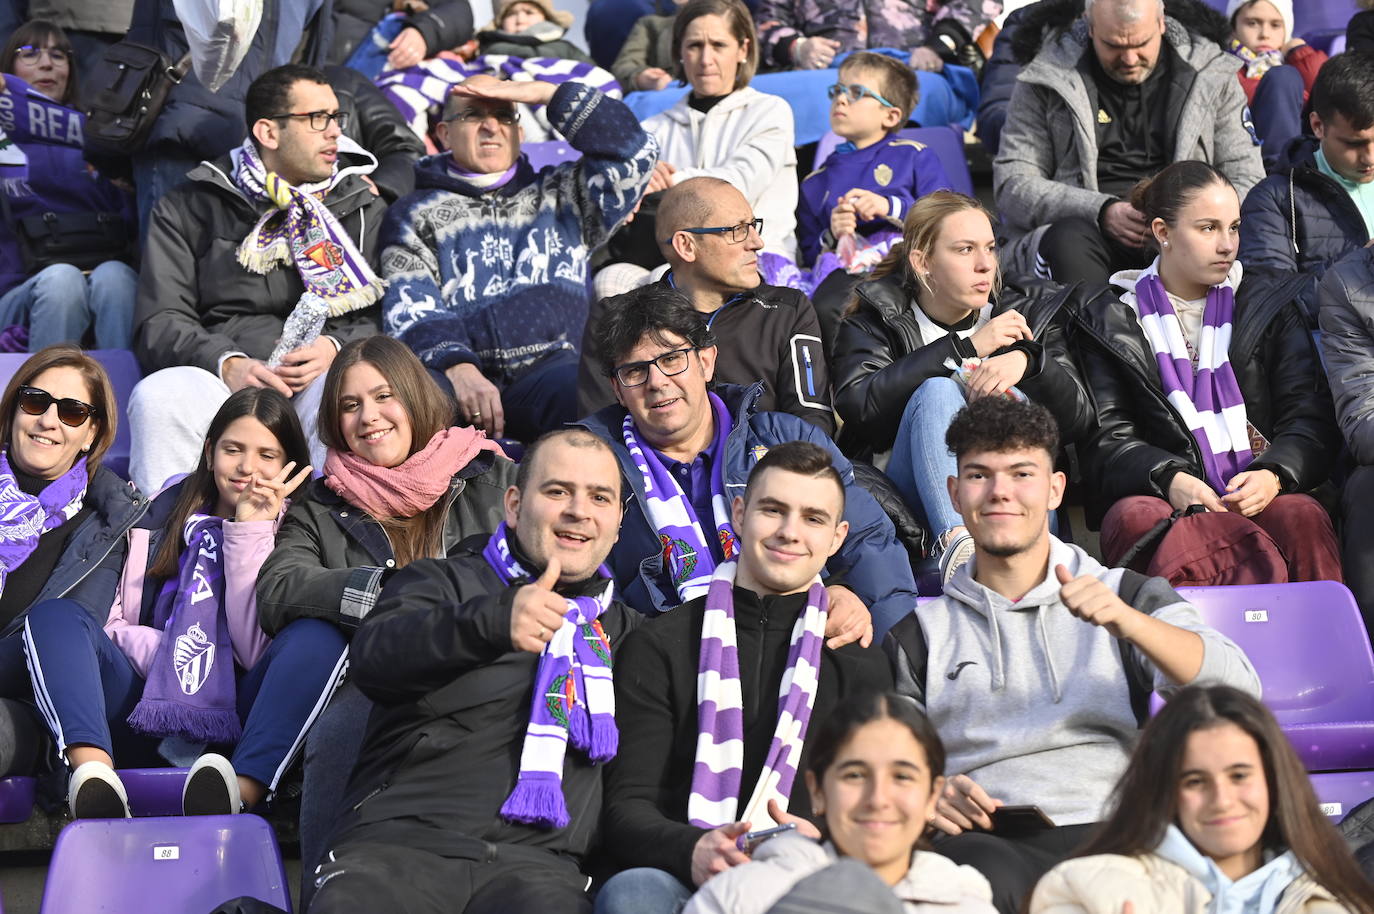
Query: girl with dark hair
[[180, 662], [1214, 814], [1209, 392], [874, 768]]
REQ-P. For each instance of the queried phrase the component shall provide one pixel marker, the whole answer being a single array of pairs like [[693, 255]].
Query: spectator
[[428, 28], [646, 61], [713, 754], [674, 435], [1065, 199], [875, 759], [376, 125], [1206, 394], [219, 281], [91, 27], [487, 260], [66, 229], [63, 513], [765, 333], [399, 485], [1214, 811], [1311, 212], [461, 655], [118, 687], [530, 28], [938, 298], [1277, 69], [1359, 33], [989, 660]]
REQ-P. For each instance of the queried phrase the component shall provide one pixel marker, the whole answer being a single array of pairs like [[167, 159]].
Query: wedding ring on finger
[[541, 632]]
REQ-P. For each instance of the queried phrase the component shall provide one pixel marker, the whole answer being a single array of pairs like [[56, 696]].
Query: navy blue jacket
[[1299, 221], [871, 562]]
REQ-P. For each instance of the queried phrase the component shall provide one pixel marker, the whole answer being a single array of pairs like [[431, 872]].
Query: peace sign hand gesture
[[262, 498]]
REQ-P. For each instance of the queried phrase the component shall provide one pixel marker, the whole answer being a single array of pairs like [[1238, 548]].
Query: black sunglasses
[[35, 401]]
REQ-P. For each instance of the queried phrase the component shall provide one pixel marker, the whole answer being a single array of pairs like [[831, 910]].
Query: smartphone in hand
[[750, 840]]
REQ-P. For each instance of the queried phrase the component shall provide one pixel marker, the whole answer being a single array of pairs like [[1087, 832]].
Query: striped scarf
[[1256, 64], [1209, 399], [718, 770], [573, 698]]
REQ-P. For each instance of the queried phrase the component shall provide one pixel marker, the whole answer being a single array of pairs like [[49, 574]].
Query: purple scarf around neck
[[190, 692], [24, 517]]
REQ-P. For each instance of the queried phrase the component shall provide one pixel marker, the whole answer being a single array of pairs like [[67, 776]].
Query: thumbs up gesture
[[1094, 602], [537, 612]]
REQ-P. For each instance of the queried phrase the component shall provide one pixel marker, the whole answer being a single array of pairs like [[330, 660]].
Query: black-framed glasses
[[633, 374], [318, 120], [854, 92], [506, 117], [734, 234], [30, 53], [70, 411]]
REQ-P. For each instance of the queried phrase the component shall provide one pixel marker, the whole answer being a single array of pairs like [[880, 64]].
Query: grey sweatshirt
[[1032, 702]]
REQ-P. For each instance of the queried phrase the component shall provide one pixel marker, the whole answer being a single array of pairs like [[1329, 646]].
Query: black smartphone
[[1019, 820]]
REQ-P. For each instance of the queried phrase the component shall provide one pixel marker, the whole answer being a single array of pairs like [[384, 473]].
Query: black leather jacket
[[879, 360], [1141, 440]]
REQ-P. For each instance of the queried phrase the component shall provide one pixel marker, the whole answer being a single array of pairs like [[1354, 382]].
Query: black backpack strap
[[1131, 582]]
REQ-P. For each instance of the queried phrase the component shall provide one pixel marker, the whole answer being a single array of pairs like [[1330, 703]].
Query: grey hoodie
[[1032, 702]]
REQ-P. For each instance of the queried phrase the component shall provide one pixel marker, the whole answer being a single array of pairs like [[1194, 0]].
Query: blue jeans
[[921, 464], [155, 173], [643, 890], [58, 304]]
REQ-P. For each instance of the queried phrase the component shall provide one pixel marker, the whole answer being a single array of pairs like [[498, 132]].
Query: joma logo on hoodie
[[959, 668]]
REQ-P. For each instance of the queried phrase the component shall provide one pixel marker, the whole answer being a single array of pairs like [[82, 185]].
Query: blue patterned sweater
[[500, 279]]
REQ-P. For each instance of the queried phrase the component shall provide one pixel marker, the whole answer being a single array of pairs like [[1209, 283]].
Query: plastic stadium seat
[[947, 143], [154, 791], [164, 865], [1341, 791], [1329, 41], [1309, 645], [16, 799]]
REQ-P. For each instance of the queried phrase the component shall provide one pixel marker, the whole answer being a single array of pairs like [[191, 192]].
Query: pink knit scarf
[[412, 487]]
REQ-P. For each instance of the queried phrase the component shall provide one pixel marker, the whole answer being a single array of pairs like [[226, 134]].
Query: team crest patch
[[729, 545], [758, 451], [679, 558], [560, 698], [1103, 117], [595, 636], [193, 657], [883, 174], [327, 254]]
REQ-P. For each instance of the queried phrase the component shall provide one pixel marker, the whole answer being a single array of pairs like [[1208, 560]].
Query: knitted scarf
[[1209, 400], [300, 230], [477, 181], [719, 764], [413, 486], [190, 692], [686, 554], [1256, 65], [573, 697], [24, 517]]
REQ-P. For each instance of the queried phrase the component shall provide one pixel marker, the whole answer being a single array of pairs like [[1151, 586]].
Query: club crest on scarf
[[193, 658]]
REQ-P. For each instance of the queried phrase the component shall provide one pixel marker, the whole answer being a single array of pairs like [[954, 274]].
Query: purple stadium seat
[[16, 799], [947, 142], [164, 865], [154, 791], [1341, 791], [1313, 656], [1311, 15], [550, 152]]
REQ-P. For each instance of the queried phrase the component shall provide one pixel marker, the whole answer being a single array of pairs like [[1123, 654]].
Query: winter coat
[[1046, 165], [376, 125], [650, 44], [870, 562], [543, 39], [451, 695], [768, 333], [649, 782], [1141, 441], [880, 361], [1299, 221], [444, 25], [500, 279], [111, 17], [933, 884], [1103, 883], [901, 24], [1347, 341], [332, 557], [748, 140], [1306, 59], [196, 302]]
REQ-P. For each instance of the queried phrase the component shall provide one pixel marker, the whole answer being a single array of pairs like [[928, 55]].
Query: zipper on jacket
[[370, 794], [758, 660]]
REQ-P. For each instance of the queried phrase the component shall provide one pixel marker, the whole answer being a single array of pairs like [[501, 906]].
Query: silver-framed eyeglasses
[[29, 54], [734, 234], [506, 117], [633, 374], [318, 120]]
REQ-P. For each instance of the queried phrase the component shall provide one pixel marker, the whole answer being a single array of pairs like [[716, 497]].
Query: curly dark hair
[[653, 311], [999, 424]]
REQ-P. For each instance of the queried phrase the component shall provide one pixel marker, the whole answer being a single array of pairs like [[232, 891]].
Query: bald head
[[696, 203], [1124, 10], [1127, 37]]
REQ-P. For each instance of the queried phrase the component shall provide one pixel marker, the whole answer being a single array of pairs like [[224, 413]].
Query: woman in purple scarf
[[176, 661], [1208, 395]]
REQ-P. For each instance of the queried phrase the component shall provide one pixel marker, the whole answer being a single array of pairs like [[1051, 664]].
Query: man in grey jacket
[[1121, 94], [1037, 663]]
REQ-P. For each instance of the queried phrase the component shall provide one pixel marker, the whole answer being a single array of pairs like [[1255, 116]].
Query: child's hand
[[1293, 43], [651, 79], [867, 205], [842, 220]]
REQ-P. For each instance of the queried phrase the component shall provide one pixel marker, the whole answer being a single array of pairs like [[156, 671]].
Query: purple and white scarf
[[1256, 64], [719, 767], [24, 517], [300, 230], [190, 692], [687, 556], [573, 699], [1209, 399]]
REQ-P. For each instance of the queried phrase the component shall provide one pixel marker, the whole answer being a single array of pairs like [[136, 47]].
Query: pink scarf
[[412, 487]]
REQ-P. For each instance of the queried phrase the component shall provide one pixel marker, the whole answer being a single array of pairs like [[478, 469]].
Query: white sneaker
[[96, 792], [212, 788], [958, 552]]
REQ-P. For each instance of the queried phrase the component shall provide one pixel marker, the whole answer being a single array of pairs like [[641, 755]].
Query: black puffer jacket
[[1141, 440], [444, 25], [377, 126], [879, 360]]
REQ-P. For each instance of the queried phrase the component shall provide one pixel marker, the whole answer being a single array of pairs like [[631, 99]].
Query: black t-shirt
[[1134, 128], [25, 582]]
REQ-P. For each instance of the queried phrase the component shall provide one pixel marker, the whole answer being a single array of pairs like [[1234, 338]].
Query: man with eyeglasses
[[283, 227], [686, 449], [710, 238], [487, 260]]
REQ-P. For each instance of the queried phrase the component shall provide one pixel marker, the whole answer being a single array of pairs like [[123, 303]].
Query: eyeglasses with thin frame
[[506, 117], [853, 92], [70, 411], [29, 54], [734, 234], [318, 120], [634, 374]]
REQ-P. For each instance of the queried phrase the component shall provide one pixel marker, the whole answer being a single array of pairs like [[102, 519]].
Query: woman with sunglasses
[[180, 663], [64, 231], [62, 515]]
